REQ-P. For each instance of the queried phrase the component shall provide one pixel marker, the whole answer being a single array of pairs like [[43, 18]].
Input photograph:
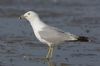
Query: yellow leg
[[50, 52]]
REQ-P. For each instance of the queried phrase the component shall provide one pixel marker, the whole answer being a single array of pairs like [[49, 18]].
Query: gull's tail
[[83, 39]]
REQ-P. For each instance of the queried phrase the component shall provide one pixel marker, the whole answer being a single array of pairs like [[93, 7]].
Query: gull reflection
[[51, 63]]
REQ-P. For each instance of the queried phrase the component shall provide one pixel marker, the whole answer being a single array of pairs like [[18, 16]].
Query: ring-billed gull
[[48, 34]]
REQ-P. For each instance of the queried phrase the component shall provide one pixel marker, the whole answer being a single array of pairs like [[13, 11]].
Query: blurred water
[[19, 47]]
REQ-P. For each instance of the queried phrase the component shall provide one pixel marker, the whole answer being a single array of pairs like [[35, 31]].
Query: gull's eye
[[28, 13]]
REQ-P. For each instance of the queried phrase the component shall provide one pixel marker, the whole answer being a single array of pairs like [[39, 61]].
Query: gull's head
[[30, 15]]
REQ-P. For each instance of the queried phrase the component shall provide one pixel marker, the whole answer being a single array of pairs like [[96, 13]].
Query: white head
[[30, 15]]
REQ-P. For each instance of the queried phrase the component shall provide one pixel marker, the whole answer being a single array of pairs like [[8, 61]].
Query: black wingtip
[[83, 39]]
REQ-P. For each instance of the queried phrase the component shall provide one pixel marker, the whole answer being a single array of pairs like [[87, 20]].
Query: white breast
[[39, 37], [39, 27]]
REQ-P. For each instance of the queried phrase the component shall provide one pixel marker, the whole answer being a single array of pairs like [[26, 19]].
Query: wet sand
[[19, 46]]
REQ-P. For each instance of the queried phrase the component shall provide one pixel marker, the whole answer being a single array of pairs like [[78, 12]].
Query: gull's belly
[[39, 38]]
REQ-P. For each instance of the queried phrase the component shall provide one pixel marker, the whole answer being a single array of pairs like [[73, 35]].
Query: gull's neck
[[36, 23]]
